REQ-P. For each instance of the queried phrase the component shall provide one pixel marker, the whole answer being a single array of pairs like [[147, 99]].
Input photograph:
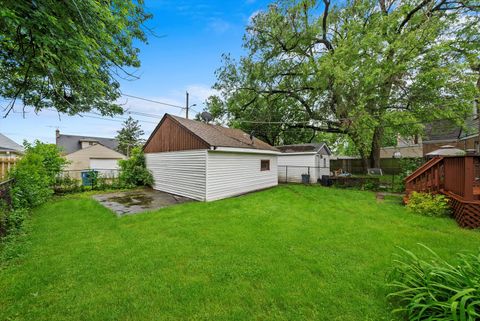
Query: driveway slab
[[139, 200]]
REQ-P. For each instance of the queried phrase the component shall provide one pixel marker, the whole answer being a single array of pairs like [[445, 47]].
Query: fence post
[[286, 173], [468, 178]]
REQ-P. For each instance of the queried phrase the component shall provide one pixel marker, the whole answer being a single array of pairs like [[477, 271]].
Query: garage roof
[[221, 136]]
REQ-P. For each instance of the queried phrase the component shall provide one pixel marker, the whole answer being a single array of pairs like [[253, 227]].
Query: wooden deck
[[456, 177]]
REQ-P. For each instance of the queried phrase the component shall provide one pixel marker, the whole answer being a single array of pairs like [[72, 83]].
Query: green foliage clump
[[35, 174], [69, 55], [129, 136], [434, 205], [435, 289], [134, 171], [409, 165]]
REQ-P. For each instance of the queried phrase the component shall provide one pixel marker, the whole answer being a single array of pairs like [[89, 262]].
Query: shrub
[[435, 289], [134, 171], [52, 161], [434, 205], [65, 184], [409, 165], [32, 183]]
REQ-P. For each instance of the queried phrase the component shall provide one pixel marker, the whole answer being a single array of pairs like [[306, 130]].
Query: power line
[[154, 101]]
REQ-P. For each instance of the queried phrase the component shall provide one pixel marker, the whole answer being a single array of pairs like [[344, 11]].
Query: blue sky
[[193, 36]]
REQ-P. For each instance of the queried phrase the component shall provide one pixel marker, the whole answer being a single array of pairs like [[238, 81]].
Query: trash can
[[326, 181], [88, 177], [306, 178]]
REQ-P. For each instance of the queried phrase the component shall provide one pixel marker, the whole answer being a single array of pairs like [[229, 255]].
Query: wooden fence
[[6, 164], [354, 166]]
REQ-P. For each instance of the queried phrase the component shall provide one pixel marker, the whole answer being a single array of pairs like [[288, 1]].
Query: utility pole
[[187, 106]]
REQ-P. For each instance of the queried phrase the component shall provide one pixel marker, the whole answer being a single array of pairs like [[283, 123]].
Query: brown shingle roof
[[219, 136]]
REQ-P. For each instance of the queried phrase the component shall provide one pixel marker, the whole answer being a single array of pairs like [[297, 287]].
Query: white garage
[[208, 162], [296, 160]]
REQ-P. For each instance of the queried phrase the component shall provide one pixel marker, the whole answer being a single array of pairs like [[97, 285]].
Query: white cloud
[[201, 92], [219, 26]]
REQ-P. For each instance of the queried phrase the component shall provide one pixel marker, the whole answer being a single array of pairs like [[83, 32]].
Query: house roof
[[447, 130], [72, 143], [304, 148], [6, 144], [219, 136], [442, 130]]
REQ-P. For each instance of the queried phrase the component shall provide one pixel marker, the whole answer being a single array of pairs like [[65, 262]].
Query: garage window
[[265, 165]]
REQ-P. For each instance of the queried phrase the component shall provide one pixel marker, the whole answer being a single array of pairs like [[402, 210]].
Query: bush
[[65, 184], [134, 171], [33, 179], [434, 205], [409, 165], [32, 183], [435, 289]]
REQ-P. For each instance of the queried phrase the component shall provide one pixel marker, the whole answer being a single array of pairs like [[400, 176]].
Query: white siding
[[230, 174], [181, 173], [298, 165]]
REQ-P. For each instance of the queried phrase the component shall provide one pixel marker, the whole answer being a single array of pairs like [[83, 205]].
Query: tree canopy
[[68, 55], [354, 68], [130, 136]]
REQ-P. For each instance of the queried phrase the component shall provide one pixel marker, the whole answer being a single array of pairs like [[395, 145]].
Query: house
[[446, 132], [85, 152], [8, 148], [295, 160], [406, 147], [208, 162]]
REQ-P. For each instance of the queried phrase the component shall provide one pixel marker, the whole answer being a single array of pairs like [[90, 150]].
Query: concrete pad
[[139, 200]]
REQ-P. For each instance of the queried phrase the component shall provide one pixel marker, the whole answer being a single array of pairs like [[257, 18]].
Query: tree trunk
[[374, 160]]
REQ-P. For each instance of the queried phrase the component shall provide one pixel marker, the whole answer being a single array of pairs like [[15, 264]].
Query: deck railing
[[457, 177]]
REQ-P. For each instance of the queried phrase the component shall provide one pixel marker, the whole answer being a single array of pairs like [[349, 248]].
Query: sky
[[189, 38]]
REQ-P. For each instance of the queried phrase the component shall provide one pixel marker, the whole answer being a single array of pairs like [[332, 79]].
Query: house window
[[265, 165]]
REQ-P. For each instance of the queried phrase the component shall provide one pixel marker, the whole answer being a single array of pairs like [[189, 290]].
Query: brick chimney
[[57, 135]]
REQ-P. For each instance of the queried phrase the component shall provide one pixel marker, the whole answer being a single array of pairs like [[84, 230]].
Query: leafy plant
[[32, 182], [35, 174], [65, 184], [409, 165], [434, 205], [435, 289], [51, 158], [134, 171]]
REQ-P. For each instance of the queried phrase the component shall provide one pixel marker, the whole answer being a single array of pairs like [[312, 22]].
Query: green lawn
[[288, 253]]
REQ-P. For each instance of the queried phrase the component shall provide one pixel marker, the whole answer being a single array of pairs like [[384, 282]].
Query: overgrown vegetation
[[134, 171], [434, 289], [33, 179], [435, 205], [65, 184]]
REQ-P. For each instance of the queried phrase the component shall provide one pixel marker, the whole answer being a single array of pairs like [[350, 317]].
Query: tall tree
[[130, 136], [68, 55], [355, 68]]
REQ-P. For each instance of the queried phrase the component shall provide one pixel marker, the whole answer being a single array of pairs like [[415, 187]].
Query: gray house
[[8, 148]]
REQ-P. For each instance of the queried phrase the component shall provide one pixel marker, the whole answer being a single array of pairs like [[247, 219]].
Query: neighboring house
[[208, 162], [8, 148], [408, 148], [295, 160], [445, 132], [86, 152]]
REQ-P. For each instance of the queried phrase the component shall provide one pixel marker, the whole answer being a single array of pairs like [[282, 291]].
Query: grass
[[288, 253]]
